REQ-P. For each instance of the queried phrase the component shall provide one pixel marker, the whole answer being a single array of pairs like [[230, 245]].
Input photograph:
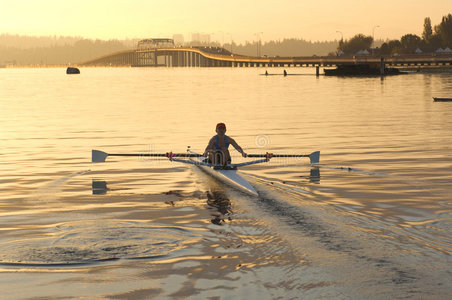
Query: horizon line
[[188, 41]]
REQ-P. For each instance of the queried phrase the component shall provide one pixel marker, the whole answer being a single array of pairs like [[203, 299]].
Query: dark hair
[[221, 125]]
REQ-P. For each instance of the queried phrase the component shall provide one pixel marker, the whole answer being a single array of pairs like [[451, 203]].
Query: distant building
[[200, 38], [178, 39], [362, 52], [155, 43]]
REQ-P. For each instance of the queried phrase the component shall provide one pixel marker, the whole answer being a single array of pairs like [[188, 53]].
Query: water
[[372, 220]]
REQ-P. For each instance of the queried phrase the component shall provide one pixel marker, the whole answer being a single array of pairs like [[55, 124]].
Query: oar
[[100, 156], [314, 156]]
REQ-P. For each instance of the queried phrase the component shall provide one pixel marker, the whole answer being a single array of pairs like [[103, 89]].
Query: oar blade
[[98, 156], [315, 157]]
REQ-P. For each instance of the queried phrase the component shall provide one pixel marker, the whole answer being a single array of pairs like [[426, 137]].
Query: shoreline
[[410, 69]]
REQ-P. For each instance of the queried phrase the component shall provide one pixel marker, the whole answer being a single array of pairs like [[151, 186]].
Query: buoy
[[72, 70]]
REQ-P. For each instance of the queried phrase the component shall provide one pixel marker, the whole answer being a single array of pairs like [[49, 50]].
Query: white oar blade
[[98, 156], [315, 157]]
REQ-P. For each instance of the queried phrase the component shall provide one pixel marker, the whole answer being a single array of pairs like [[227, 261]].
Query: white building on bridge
[[147, 44]]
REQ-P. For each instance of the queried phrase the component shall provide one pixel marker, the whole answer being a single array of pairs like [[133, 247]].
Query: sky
[[237, 20]]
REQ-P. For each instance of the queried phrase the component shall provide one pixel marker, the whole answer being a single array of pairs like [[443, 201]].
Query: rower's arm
[[237, 147], [210, 146]]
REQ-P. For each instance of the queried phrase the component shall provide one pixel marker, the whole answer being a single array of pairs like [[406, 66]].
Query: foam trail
[[48, 191], [296, 189], [349, 169], [415, 183]]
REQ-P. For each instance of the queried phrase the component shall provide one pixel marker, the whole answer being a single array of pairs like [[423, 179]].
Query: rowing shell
[[227, 175]]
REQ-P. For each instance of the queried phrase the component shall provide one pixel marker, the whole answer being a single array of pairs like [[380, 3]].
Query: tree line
[[286, 47], [432, 39], [27, 50]]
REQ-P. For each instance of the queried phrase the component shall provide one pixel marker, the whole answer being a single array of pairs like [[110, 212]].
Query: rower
[[217, 149]]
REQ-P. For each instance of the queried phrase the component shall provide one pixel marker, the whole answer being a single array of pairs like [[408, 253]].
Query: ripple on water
[[88, 242]]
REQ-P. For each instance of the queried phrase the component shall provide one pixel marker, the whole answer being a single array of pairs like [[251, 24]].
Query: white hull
[[229, 177]]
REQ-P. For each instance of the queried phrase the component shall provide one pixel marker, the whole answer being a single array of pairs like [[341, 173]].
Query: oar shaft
[[277, 155], [100, 156], [314, 157], [155, 154]]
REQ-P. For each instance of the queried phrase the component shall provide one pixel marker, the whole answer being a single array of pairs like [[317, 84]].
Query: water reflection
[[99, 187], [219, 201], [216, 199], [314, 176]]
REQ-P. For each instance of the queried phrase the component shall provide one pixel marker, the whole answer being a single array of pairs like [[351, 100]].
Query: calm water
[[372, 220]]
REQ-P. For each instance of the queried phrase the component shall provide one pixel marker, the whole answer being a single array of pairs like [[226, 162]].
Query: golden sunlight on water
[[377, 206]]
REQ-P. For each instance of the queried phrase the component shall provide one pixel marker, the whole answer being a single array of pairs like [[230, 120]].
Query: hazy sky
[[309, 19]]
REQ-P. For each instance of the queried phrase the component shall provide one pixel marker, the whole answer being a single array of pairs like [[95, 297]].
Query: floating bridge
[[162, 52]]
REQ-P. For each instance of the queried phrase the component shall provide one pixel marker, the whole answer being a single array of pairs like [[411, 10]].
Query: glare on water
[[377, 207]]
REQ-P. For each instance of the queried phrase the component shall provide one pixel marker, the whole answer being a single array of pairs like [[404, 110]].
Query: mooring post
[[317, 71], [382, 66]]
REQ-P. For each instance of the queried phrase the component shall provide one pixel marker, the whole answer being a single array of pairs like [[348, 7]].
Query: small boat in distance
[[437, 99], [72, 70]]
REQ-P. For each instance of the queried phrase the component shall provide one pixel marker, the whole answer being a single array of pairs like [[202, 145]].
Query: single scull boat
[[226, 174]]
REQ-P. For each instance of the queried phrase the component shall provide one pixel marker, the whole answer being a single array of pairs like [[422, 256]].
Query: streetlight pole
[[341, 42], [222, 41], [373, 34], [257, 44], [258, 37], [231, 40], [342, 35], [211, 36], [260, 43]]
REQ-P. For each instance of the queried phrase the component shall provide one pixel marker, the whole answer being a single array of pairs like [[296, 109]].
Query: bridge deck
[[206, 57]]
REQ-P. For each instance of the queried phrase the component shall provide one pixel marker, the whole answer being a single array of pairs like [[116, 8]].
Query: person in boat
[[217, 150]]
